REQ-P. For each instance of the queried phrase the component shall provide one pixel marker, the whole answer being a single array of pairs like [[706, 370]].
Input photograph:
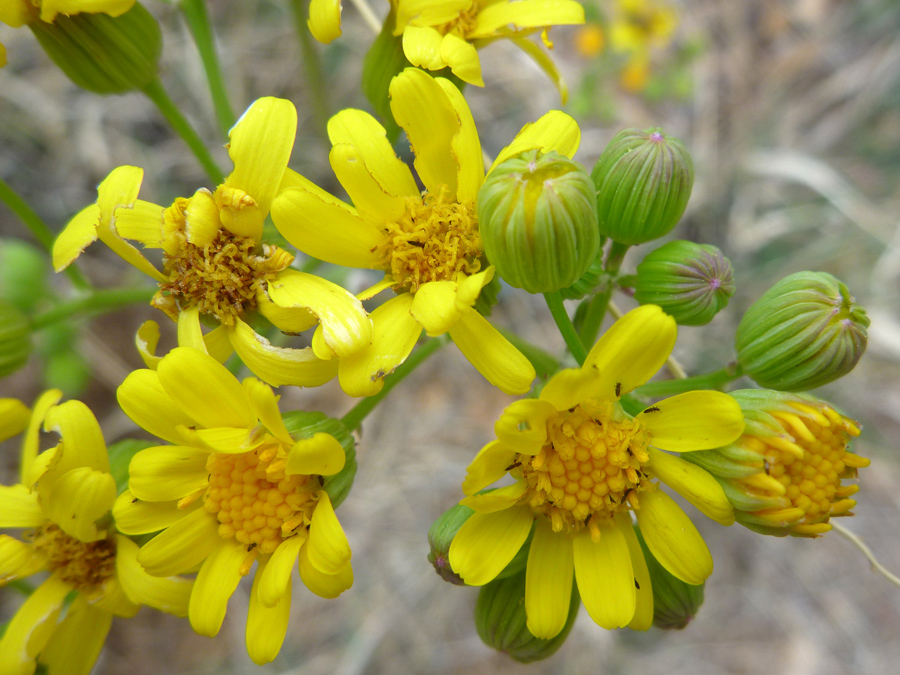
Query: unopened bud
[[15, 339]]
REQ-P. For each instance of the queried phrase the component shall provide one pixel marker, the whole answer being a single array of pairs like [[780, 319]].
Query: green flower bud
[[644, 181], [15, 339], [783, 475], [538, 221], [802, 333], [589, 282], [23, 274], [500, 620], [305, 424], [102, 53], [691, 282], [675, 603]]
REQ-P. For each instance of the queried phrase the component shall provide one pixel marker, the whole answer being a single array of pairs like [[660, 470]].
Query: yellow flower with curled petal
[[213, 259], [62, 506], [439, 34], [234, 488], [428, 244], [582, 466]]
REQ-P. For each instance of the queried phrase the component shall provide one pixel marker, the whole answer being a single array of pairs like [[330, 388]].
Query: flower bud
[[675, 602], [538, 221], [691, 282], [500, 620], [23, 274], [15, 339], [802, 333], [102, 53], [644, 180], [783, 475]]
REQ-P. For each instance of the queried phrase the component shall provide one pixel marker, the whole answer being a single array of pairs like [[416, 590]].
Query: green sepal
[[305, 424], [384, 61], [440, 536], [120, 454]]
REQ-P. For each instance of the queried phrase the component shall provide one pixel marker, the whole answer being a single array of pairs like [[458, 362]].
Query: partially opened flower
[[61, 506], [234, 488], [213, 257], [427, 243], [582, 467]]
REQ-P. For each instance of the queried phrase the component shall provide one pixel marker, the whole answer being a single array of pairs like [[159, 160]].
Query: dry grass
[[794, 129]]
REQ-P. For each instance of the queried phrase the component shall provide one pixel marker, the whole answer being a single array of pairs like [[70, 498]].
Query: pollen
[[463, 24], [811, 479], [589, 470], [255, 502], [435, 240], [84, 565]]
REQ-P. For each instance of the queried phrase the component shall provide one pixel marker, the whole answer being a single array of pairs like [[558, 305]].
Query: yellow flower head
[[213, 260], [784, 473], [16, 13], [637, 27], [582, 466], [427, 244], [61, 506], [234, 488]]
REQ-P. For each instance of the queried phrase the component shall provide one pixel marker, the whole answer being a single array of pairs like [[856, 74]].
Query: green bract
[[538, 221], [643, 181], [805, 331], [691, 282]]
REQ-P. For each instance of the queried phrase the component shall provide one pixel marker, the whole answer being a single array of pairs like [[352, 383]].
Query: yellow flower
[[427, 244], [234, 488], [582, 466], [637, 27], [784, 473], [439, 34], [214, 261], [17, 13], [63, 503]]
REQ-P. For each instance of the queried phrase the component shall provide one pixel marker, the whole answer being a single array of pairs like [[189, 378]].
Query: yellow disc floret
[[589, 470], [436, 239], [84, 565], [463, 24], [255, 502]]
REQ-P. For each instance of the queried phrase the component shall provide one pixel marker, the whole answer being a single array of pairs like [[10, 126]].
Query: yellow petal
[[266, 624], [143, 222], [694, 484], [325, 20], [319, 455], [548, 581], [469, 288], [18, 559], [570, 387], [462, 58], [487, 542], [395, 334], [14, 416], [672, 538], [77, 499], [428, 12], [77, 235], [643, 612], [286, 319], [190, 334], [490, 465], [422, 108], [182, 546], [169, 594], [493, 355], [77, 640], [465, 146], [276, 365], [275, 578], [434, 306], [216, 581], [523, 425], [554, 131], [15, 14], [632, 350], [167, 472], [189, 375], [31, 440], [328, 548], [201, 216], [545, 63], [422, 47], [134, 516], [324, 585], [144, 400], [265, 407], [33, 625], [346, 327], [496, 500], [373, 202], [605, 577], [146, 340], [694, 420], [82, 439], [218, 345], [49, 8], [526, 14], [19, 507]]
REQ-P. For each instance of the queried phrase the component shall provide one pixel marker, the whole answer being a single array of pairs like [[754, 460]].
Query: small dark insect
[[588, 519], [630, 453], [134, 501], [637, 585], [652, 408], [766, 466], [572, 409], [625, 496], [252, 546], [512, 466], [618, 388], [417, 243]]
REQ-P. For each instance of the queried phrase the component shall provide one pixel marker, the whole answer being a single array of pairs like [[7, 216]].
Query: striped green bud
[[805, 331], [691, 282], [15, 339], [538, 221], [644, 181]]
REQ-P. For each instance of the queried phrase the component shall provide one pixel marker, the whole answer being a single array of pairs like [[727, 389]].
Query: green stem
[[97, 302], [544, 364], [197, 19], [564, 323], [596, 309], [714, 380], [313, 67], [38, 228], [358, 413], [183, 128]]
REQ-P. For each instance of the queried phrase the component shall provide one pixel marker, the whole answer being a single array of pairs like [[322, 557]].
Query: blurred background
[[791, 110]]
